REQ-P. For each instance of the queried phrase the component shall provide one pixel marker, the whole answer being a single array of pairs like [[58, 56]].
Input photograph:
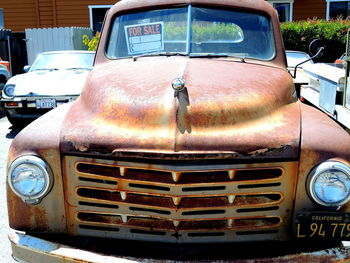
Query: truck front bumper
[[29, 249], [26, 248]]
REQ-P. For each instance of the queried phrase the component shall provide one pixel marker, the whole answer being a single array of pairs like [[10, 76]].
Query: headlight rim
[[318, 170], [36, 160], [7, 86]]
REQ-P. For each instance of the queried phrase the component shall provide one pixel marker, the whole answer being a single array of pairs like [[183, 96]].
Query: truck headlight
[[329, 184], [30, 178], [9, 90]]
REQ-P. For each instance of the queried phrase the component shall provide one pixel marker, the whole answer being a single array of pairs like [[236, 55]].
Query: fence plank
[[52, 39]]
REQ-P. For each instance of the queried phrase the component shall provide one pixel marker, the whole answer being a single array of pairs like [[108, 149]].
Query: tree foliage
[[299, 34]]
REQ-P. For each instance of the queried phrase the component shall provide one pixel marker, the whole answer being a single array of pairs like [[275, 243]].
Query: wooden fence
[[53, 39]]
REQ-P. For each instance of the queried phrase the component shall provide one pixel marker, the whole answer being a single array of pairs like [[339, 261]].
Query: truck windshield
[[192, 31]]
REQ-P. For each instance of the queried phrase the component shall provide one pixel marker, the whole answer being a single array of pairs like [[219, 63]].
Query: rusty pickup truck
[[188, 130]]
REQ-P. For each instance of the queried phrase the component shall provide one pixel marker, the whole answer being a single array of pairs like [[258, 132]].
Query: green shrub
[[298, 35], [219, 31], [175, 32]]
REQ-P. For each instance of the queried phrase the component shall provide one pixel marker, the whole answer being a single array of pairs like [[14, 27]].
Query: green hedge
[[200, 33], [298, 35]]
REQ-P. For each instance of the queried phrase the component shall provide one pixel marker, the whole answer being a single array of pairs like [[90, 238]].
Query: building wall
[[21, 14], [76, 12], [46, 13], [304, 9]]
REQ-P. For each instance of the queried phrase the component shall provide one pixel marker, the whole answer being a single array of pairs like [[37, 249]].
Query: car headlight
[[30, 178], [329, 184], [9, 90]]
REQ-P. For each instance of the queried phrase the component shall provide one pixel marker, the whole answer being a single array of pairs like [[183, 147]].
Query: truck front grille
[[179, 203]]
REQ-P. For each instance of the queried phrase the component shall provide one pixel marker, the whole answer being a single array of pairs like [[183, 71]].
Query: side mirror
[[316, 49], [26, 68]]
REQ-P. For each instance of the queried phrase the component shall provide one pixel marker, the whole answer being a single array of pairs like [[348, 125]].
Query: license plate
[[322, 225], [45, 103]]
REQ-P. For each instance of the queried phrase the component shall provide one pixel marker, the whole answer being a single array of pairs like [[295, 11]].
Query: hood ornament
[[178, 84]]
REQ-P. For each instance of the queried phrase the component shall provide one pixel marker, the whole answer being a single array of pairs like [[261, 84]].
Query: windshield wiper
[[167, 54], [216, 55], [192, 55]]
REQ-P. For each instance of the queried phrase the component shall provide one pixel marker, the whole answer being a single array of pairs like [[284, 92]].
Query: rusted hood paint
[[228, 108]]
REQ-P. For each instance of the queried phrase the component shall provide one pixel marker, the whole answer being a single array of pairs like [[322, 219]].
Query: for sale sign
[[143, 38]]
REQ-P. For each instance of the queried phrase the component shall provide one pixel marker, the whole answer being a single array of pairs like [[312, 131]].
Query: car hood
[[49, 83], [229, 109]]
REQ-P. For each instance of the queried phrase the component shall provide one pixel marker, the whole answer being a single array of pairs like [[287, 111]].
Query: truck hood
[[229, 109], [49, 83]]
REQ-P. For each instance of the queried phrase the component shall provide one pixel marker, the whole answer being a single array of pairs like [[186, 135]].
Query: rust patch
[[100, 218], [252, 223], [267, 151], [26, 217], [149, 223], [257, 199], [209, 224], [322, 139], [144, 120], [20, 214], [81, 148]]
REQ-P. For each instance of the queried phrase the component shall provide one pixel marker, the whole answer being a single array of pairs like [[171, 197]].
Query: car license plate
[[45, 103], [322, 225]]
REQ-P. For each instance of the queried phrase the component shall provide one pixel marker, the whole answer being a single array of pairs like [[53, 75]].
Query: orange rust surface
[[227, 113], [25, 217], [149, 209], [321, 139], [40, 138]]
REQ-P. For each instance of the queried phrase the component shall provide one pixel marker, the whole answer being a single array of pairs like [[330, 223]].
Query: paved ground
[[6, 136]]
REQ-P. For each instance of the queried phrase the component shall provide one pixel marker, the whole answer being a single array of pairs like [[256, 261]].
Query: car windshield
[[58, 61], [192, 31]]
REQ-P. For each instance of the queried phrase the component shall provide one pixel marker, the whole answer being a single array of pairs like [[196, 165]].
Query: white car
[[53, 79], [296, 57], [293, 59]]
